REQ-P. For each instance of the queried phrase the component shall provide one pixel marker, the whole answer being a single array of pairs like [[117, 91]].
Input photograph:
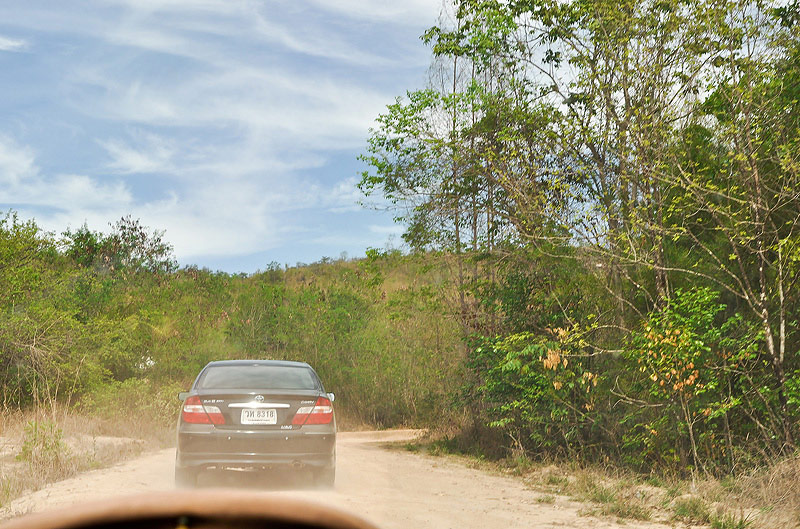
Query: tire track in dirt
[[392, 488]]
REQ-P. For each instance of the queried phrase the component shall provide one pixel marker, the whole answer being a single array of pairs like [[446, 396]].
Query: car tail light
[[195, 412], [319, 413]]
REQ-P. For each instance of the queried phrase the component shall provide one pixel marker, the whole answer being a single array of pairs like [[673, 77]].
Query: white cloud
[[152, 154], [16, 162], [221, 87], [345, 196], [278, 109], [181, 28], [9, 44], [151, 39], [315, 43], [21, 182], [179, 6], [412, 12], [233, 220], [68, 191], [225, 107], [392, 229], [218, 216]]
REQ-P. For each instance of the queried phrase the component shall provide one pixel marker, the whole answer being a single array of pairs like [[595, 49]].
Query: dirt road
[[392, 488]]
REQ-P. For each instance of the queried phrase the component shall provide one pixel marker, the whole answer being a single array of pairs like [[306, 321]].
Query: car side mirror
[[331, 397], [183, 395]]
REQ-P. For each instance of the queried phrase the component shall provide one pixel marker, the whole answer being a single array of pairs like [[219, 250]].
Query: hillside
[[102, 328]]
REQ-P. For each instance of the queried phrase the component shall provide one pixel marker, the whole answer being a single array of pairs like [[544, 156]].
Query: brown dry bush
[[767, 498]]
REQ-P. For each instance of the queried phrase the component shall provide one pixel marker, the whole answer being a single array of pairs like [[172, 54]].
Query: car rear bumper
[[203, 446]]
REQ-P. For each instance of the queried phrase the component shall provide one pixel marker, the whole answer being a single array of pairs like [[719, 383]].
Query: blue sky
[[234, 125]]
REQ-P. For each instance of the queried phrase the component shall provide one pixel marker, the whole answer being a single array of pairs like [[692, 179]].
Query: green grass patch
[[628, 508], [691, 509], [730, 521], [600, 494]]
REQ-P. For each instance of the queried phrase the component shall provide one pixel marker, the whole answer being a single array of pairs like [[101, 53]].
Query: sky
[[232, 125]]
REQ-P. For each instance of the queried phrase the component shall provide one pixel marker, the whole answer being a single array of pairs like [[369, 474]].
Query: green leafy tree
[[698, 368], [130, 247]]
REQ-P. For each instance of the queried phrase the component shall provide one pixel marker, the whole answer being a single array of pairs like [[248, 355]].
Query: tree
[[130, 247], [656, 144], [736, 183]]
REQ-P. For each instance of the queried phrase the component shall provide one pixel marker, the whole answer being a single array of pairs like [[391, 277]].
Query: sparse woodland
[[620, 185]]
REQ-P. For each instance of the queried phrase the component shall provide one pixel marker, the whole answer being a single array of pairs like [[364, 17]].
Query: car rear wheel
[[185, 478]]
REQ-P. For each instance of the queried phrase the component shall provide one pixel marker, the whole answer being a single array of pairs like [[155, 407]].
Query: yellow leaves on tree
[[552, 360]]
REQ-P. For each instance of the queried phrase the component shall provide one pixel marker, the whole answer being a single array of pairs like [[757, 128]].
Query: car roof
[[281, 363]]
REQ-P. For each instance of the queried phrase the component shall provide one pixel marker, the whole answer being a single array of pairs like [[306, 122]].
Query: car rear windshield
[[257, 377]]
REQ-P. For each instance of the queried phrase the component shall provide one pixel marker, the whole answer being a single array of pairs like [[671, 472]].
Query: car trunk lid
[[259, 409]]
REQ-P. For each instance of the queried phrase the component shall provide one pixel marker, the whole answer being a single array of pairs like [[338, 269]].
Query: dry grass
[[38, 447], [347, 421], [605, 494], [765, 499], [769, 498]]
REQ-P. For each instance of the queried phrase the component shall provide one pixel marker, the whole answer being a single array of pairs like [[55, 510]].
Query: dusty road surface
[[392, 488]]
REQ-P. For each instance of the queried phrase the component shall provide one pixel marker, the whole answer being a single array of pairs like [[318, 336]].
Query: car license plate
[[259, 416]]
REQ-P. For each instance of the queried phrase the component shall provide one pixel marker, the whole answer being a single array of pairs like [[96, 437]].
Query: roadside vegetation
[[38, 447], [619, 183], [766, 497]]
